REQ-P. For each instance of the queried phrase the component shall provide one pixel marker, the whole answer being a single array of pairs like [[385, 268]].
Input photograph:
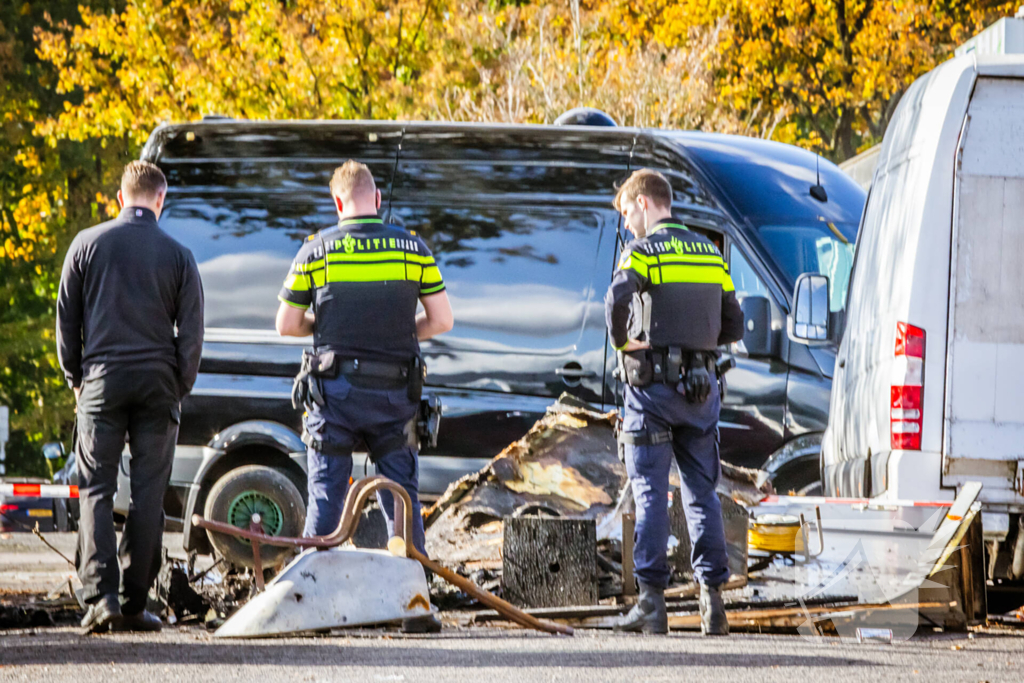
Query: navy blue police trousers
[[377, 417], [659, 408]]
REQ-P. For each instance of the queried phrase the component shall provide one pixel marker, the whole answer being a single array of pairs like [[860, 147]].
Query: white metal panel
[[333, 588], [902, 275], [1009, 398], [974, 376], [1004, 37], [985, 394]]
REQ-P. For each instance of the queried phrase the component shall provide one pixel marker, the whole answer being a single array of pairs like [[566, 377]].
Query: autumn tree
[[825, 74], [176, 60], [534, 62], [47, 193]]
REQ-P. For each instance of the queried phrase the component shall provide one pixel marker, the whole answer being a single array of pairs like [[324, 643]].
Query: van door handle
[[574, 373]]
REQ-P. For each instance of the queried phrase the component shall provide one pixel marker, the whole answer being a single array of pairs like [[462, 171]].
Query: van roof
[[165, 141], [1006, 66], [224, 128]]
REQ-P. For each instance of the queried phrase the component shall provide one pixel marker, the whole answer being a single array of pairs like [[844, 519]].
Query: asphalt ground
[[491, 655], [475, 654]]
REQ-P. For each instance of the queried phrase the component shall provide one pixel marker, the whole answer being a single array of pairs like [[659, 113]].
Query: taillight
[[906, 411], [8, 508]]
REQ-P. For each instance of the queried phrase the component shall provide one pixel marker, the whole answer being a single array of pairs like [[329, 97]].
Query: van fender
[[249, 433]]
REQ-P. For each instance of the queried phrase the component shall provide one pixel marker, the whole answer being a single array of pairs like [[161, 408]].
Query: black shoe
[[102, 615], [648, 615], [713, 621], [143, 621], [425, 624]]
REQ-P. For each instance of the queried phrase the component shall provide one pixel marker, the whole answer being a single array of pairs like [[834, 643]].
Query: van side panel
[[985, 394], [901, 274]]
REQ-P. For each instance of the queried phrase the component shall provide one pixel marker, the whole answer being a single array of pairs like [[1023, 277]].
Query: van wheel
[[255, 489]]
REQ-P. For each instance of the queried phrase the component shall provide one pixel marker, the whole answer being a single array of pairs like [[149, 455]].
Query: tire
[[255, 488]]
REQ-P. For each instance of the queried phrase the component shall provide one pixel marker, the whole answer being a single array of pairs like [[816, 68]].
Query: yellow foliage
[[824, 74], [835, 68]]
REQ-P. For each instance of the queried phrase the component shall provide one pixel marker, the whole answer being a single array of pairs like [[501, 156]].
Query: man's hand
[[634, 345], [78, 392]]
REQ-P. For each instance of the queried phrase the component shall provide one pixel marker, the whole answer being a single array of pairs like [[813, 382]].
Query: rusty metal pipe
[[354, 502], [356, 499], [494, 602]]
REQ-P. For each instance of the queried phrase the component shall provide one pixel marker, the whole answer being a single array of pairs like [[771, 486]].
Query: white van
[[928, 390]]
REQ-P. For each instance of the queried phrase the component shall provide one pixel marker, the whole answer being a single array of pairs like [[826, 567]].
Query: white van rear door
[[984, 417]]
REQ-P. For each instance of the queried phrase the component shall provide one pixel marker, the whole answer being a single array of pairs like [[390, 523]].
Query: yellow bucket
[[776, 534]]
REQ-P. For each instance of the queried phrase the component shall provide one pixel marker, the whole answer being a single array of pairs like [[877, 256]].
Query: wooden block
[[736, 521], [549, 562]]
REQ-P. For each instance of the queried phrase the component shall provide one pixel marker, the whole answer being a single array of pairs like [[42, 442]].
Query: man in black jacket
[[129, 337], [670, 305]]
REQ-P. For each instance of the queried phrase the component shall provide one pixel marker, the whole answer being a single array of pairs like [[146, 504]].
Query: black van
[[521, 222]]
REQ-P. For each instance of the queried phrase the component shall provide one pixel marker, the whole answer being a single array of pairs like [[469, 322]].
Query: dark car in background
[[521, 222], [23, 513]]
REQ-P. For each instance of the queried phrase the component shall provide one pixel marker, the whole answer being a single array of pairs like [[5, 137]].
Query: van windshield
[[824, 248]]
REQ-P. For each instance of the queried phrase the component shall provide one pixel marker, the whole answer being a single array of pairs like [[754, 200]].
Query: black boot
[[713, 621], [648, 614], [143, 621], [102, 614]]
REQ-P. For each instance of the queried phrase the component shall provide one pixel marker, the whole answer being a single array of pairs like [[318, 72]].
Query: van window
[[244, 247], [821, 248], [522, 286], [744, 278]]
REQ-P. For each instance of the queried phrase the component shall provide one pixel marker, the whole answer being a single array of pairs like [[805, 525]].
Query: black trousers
[[142, 403]]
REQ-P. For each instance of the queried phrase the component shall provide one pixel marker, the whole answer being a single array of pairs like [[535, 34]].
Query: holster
[[723, 366], [417, 378], [428, 421], [638, 367]]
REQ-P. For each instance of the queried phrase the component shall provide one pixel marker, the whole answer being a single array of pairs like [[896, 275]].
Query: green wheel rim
[[248, 503]]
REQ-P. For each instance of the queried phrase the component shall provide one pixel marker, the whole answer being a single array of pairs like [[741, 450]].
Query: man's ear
[[642, 202], [338, 203], [378, 200], [120, 198], [161, 197]]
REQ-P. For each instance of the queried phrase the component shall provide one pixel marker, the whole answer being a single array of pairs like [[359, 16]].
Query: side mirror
[[810, 317], [757, 325], [53, 450]]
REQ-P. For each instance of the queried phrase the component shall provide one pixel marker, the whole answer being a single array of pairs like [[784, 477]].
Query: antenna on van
[[817, 191]]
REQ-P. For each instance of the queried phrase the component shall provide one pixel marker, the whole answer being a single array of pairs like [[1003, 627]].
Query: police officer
[[670, 304], [129, 337], [355, 288]]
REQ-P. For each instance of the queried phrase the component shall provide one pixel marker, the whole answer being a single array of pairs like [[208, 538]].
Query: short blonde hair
[[645, 182], [142, 180], [352, 179]]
